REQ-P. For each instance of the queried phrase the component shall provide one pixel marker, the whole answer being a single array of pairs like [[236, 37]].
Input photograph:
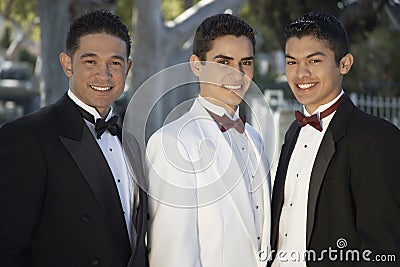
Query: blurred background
[[32, 34]]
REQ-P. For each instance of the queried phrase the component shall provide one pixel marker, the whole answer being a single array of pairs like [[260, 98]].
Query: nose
[[302, 71], [103, 72], [237, 71]]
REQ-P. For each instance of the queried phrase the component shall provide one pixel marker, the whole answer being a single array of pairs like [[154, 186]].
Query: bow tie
[[313, 120], [101, 125], [226, 123]]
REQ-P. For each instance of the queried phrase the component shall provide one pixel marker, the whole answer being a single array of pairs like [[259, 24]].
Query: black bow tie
[[226, 123], [101, 125]]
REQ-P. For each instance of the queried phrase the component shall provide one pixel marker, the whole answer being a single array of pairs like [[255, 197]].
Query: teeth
[[305, 85], [232, 87], [98, 88]]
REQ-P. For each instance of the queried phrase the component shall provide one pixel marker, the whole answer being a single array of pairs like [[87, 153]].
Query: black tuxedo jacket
[[58, 200], [354, 190]]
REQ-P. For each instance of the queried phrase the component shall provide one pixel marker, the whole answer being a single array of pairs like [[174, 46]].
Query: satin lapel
[[89, 158], [324, 156], [279, 182], [225, 164], [336, 130]]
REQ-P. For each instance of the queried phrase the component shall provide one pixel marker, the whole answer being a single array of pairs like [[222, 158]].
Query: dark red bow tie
[[313, 120], [226, 123]]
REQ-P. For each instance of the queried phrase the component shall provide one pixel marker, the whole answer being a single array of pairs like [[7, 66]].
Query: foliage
[[373, 41], [377, 62], [22, 14]]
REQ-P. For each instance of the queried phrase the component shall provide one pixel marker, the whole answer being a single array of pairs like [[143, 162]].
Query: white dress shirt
[[244, 152], [113, 152], [293, 220]]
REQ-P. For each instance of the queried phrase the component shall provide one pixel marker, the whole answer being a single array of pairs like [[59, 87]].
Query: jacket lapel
[[225, 165], [326, 151], [280, 177], [90, 160]]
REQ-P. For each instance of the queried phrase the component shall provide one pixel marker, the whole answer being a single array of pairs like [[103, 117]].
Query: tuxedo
[[199, 207], [58, 200], [353, 194]]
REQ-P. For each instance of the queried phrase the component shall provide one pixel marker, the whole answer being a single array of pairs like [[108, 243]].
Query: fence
[[283, 113], [380, 106], [384, 107]]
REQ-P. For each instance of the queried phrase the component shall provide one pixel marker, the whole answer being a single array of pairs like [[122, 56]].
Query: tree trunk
[[54, 20], [56, 16]]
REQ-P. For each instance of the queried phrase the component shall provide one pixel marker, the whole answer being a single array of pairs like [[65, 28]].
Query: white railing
[[384, 107], [283, 113], [380, 106]]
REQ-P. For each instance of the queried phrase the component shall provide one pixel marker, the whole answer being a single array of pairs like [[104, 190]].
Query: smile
[[232, 87], [305, 86], [101, 88]]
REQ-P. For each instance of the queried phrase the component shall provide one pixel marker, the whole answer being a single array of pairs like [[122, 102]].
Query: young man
[[336, 193], [66, 195], [210, 183]]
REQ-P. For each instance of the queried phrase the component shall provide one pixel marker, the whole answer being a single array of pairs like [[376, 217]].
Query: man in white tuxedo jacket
[[208, 175]]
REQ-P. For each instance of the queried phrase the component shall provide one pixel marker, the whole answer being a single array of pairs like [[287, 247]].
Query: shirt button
[[110, 149], [85, 218], [305, 146], [286, 235], [258, 237], [118, 180], [256, 207]]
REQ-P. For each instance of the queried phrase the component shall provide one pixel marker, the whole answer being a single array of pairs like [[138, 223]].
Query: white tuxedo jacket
[[199, 206]]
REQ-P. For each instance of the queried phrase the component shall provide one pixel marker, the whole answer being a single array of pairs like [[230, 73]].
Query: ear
[[345, 63], [66, 64], [129, 66], [195, 65]]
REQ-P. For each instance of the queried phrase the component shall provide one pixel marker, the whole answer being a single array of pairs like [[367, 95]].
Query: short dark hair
[[96, 21], [322, 26], [217, 26]]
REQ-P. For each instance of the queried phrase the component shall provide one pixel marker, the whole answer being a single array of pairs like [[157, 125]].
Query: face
[[312, 72], [226, 75], [98, 70]]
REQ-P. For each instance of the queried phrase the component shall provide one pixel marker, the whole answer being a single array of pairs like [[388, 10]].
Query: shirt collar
[[324, 106], [88, 108], [220, 111]]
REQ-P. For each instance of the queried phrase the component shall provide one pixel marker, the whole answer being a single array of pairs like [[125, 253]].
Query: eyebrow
[[95, 55], [308, 56], [231, 58]]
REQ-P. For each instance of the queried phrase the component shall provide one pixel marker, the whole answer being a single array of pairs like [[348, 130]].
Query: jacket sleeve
[[173, 235], [22, 189], [377, 196]]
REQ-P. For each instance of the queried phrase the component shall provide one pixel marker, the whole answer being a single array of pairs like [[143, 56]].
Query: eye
[[223, 61], [290, 62], [314, 61], [90, 61], [116, 63], [247, 63]]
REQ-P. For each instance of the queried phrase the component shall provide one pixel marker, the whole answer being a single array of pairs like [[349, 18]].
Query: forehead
[[102, 43], [231, 46], [306, 45]]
